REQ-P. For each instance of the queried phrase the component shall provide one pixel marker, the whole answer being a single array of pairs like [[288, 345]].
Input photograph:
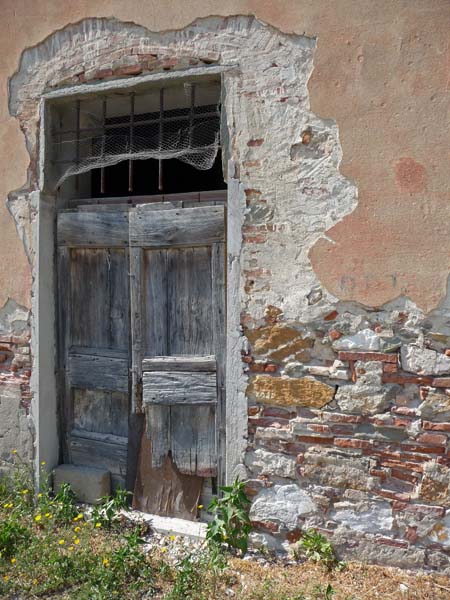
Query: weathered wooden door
[[142, 338], [177, 296]]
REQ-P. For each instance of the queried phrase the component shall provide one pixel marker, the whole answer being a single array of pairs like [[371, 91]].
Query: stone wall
[[348, 405]]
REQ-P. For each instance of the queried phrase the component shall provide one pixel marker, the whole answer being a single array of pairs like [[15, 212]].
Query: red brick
[[252, 143], [394, 495], [341, 418], [441, 382], [342, 429], [403, 378], [378, 473], [402, 422], [317, 428], [334, 334], [404, 475], [390, 368], [331, 316], [349, 443], [433, 439], [423, 449], [436, 426], [253, 410], [270, 368], [267, 526], [411, 534], [424, 509], [365, 356], [281, 413], [291, 448], [312, 439]]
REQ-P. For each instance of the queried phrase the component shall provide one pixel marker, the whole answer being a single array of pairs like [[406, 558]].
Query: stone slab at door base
[[88, 484]]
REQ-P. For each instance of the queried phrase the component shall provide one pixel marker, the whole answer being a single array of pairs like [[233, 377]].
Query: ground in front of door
[[48, 555]]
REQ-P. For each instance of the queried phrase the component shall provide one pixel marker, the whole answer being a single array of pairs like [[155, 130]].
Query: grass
[[51, 548]]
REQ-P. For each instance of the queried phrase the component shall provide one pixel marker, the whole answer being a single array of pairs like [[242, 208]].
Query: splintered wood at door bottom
[[165, 491]]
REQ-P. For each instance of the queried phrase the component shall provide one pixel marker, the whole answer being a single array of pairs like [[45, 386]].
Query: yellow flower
[[105, 562], [78, 517], [5, 577], [62, 542], [163, 549], [43, 462], [85, 524], [76, 541], [37, 518], [71, 548], [77, 529], [34, 582], [13, 560], [40, 495], [48, 515], [98, 525], [14, 451], [171, 538], [200, 506], [25, 492]]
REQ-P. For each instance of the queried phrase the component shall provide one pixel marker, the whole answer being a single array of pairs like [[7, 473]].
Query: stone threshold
[[169, 525]]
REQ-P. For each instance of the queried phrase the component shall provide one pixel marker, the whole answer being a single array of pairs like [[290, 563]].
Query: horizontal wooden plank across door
[[99, 229], [171, 388], [179, 227]]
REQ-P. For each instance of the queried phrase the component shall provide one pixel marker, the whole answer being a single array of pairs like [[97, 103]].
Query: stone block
[[289, 391], [88, 484], [283, 505], [424, 361]]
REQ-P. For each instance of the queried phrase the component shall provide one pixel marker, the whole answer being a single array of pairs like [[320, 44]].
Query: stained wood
[[159, 431], [165, 491], [182, 227], [106, 229], [100, 411], [179, 363], [170, 387], [99, 372]]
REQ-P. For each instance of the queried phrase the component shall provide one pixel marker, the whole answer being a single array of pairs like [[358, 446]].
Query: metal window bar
[[130, 162], [102, 170], [161, 133]]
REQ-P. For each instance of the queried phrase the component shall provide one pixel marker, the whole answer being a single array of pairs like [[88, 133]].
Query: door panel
[[149, 280]]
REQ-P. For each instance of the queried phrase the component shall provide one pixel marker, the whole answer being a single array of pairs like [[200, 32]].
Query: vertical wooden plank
[[189, 301], [155, 303], [119, 299], [89, 273], [64, 314], [137, 311], [158, 430], [218, 320], [193, 439]]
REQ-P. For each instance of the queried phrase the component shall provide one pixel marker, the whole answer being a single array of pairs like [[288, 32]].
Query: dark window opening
[[177, 177]]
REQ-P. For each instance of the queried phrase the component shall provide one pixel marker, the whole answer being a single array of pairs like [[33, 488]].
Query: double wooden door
[[141, 347]]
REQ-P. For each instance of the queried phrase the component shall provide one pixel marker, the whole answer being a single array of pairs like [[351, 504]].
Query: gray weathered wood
[[100, 451], [171, 387], [93, 229], [158, 430], [98, 372], [189, 301], [179, 363], [193, 439], [100, 411], [181, 227], [136, 303], [155, 318], [218, 327]]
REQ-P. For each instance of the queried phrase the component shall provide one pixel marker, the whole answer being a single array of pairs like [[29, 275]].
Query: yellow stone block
[[290, 391]]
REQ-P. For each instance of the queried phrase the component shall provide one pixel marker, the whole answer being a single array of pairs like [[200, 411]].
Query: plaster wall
[[340, 152]]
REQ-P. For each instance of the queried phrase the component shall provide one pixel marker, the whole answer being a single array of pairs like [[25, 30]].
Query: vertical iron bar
[[161, 117], [102, 170], [130, 162], [77, 151], [191, 116]]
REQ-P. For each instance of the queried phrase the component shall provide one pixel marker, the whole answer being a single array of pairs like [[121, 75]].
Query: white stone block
[[88, 484]]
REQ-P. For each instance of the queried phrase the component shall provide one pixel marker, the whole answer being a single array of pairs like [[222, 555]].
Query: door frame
[[45, 405]]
